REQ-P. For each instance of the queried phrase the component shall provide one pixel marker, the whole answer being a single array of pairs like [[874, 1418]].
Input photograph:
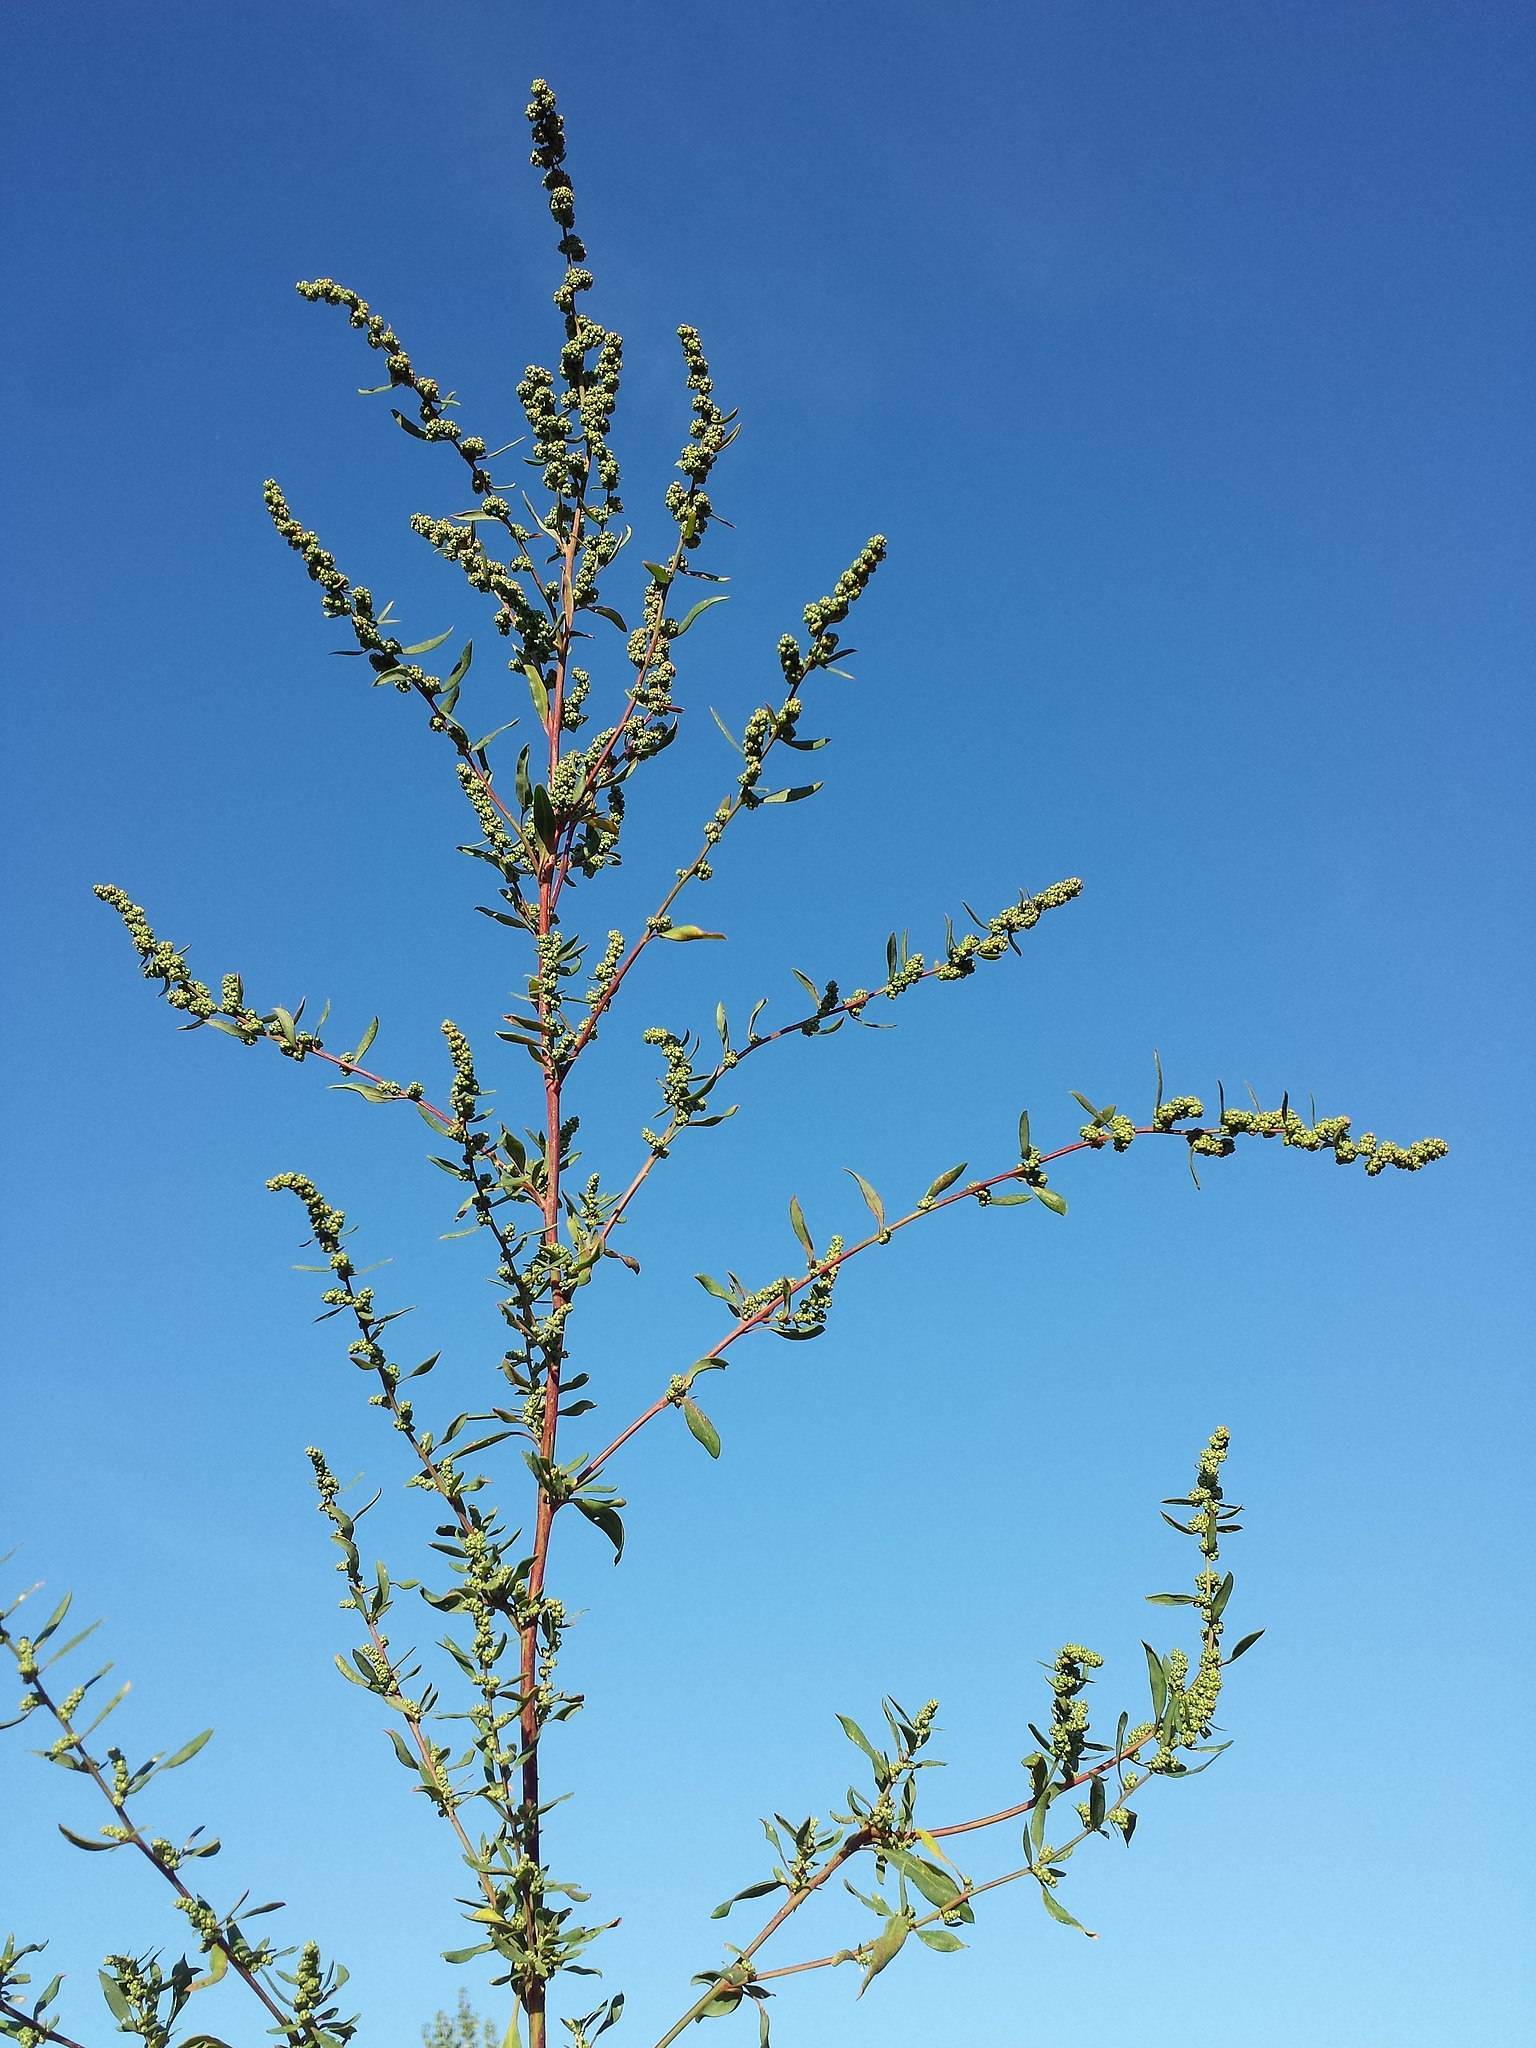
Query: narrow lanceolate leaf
[[790, 796], [753, 1891], [1058, 1911], [945, 1180], [875, 1205], [1247, 1643], [702, 1427], [703, 605], [1158, 1679], [362, 1045], [84, 1841], [1024, 1144], [798, 1225], [1057, 1204], [539, 692], [687, 931], [856, 1735], [543, 818], [426, 646], [187, 1751]]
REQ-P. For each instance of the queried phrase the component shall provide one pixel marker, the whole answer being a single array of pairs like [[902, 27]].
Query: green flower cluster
[[1067, 1679], [327, 1223], [465, 1096], [161, 960], [1328, 1134]]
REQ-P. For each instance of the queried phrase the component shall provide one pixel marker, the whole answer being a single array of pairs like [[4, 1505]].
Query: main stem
[[535, 1995]]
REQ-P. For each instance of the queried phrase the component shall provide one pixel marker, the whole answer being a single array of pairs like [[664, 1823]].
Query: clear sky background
[[1183, 353]]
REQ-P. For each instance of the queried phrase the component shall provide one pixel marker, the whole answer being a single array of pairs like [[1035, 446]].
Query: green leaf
[[1096, 1803], [543, 818], [714, 714], [187, 1751], [363, 1044], [798, 1225], [426, 646], [456, 676], [1024, 1144], [703, 605], [939, 1939], [1170, 1599], [872, 1200], [1058, 1911], [937, 1886], [660, 573], [945, 1180], [53, 1620], [84, 1841], [790, 796], [884, 1949], [702, 1427], [538, 690], [684, 932], [1057, 1204], [606, 611], [1158, 1679], [603, 1516], [856, 1735], [112, 1992], [713, 1286], [1247, 1643], [479, 746], [753, 1891]]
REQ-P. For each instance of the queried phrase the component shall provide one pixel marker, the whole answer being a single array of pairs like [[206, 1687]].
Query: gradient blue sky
[[1183, 353]]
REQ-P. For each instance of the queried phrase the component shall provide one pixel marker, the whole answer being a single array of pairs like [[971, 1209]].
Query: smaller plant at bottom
[[462, 2028]]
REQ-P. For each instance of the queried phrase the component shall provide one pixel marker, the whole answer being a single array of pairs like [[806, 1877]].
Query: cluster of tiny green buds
[[710, 432], [1327, 1134], [326, 1223], [319, 562], [1117, 1130], [823, 612], [548, 131], [810, 1317], [465, 1095], [1067, 1678], [506, 850], [1176, 1110], [161, 960]]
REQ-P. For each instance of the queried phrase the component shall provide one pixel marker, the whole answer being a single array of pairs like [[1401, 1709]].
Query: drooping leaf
[[701, 1426], [1058, 1911], [1057, 1204]]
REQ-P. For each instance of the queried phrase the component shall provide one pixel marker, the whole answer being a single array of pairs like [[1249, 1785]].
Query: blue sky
[[1182, 352]]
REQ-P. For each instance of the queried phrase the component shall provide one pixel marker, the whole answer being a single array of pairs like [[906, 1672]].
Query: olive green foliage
[[544, 815], [460, 2029]]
